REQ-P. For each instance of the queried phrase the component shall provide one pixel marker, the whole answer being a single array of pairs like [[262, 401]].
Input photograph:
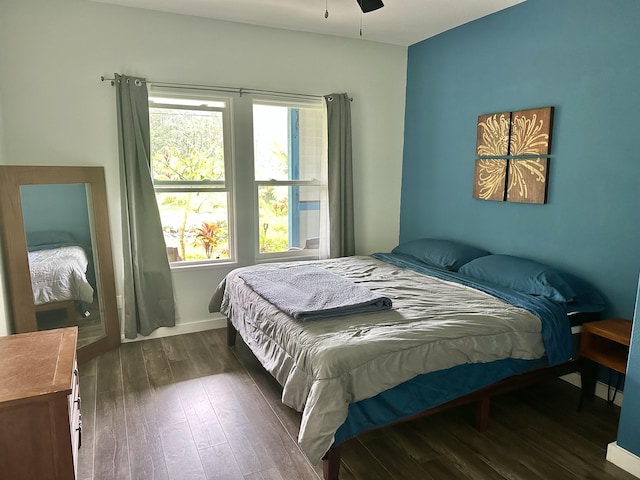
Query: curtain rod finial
[[111, 80]]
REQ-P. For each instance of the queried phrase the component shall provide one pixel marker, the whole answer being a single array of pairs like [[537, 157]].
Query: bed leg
[[588, 377], [331, 464], [482, 414], [231, 334]]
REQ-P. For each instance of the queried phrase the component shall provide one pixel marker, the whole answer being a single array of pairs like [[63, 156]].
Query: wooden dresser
[[40, 422]]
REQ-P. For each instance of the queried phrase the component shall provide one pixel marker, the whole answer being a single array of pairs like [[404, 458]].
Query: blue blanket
[[310, 293]]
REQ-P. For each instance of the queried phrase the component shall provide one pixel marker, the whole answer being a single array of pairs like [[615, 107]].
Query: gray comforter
[[59, 274], [325, 365]]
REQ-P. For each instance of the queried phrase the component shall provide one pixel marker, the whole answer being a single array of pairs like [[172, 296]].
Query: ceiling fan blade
[[370, 5]]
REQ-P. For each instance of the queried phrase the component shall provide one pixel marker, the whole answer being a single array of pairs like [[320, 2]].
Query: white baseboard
[[217, 321], [623, 459], [601, 388]]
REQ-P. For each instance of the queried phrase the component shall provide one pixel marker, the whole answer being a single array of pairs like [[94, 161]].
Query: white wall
[[57, 112]]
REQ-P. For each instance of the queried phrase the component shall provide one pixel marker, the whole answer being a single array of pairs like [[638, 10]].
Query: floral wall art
[[512, 151]]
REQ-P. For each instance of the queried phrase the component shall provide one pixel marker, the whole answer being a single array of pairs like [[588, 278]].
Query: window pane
[[289, 218], [195, 224], [287, 142], [186, 145]]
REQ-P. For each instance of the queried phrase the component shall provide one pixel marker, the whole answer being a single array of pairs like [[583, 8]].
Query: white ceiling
[[399, 22]]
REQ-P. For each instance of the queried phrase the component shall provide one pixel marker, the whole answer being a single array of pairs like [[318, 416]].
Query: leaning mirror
[[57, 247]]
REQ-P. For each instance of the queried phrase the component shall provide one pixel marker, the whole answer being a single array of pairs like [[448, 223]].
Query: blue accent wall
[[581, 57]]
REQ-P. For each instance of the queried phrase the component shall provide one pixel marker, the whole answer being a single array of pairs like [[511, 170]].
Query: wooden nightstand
[[606, 343]]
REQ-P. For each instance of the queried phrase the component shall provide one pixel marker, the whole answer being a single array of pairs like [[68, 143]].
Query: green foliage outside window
[[273, 205], [187, 145]]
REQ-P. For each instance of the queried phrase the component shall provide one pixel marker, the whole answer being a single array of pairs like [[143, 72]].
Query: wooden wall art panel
[[490, 179], [512, 151], [493, 134], [531, 132], [527, 180]]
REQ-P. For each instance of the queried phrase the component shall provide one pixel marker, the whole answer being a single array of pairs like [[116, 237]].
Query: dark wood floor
[[188, 407]]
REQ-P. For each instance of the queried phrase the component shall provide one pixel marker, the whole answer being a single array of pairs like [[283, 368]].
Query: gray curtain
[[340, 180], [148, 288]]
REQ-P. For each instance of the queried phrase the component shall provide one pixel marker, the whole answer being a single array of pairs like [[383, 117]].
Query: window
[[278, 171], [190, 165], [289, 146]]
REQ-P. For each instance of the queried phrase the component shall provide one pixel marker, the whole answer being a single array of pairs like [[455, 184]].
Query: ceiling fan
[[370, 5]]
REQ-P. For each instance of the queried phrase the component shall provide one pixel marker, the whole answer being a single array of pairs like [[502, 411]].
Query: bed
[[460, 325], [58, 265]]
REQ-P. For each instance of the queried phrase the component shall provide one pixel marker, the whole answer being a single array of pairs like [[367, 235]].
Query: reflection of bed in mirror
[[58, 264]]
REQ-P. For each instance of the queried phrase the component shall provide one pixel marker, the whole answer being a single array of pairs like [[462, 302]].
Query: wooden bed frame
[[482, 397]]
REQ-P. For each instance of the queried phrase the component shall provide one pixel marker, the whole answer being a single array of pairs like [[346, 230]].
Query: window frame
[[210, 186], [296, 254]]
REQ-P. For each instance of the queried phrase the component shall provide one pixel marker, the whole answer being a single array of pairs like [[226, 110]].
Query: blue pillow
[[534, 278], [446, 254]]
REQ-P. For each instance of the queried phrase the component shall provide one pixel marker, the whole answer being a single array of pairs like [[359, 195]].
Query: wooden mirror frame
[[15, 247]]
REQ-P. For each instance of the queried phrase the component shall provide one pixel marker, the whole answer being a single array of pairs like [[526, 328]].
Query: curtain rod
[[217, 88]]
